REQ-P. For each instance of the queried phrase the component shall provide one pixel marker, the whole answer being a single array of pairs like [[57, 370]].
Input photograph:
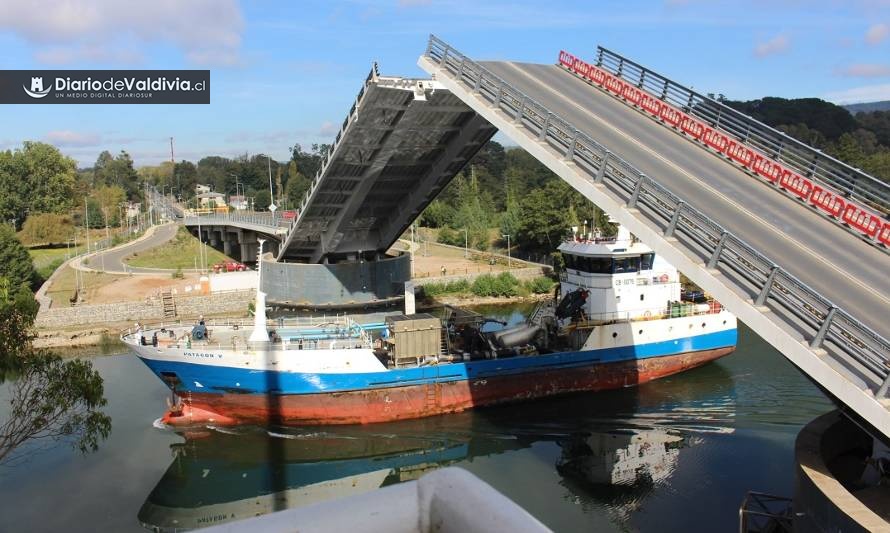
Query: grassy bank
[[62, 289], [504, 285], [180, 252]]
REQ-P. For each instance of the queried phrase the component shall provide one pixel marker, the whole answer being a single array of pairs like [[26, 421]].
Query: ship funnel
[[259, 333]]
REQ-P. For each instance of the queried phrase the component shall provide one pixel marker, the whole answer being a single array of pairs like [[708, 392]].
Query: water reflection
[[615, 447]]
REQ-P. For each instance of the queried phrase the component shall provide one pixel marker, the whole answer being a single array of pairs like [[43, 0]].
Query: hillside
[[868, 107]]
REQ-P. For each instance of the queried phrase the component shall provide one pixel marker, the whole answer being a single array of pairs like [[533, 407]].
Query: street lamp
[[509, 258]]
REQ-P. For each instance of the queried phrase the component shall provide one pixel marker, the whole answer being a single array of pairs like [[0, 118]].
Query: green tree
[[437, 215], [37, 178], [15, 263], [109, 198], [49, 398], [296, 186], [46, 228]]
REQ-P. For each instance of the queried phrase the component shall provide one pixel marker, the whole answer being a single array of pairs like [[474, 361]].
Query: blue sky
[[287, 72]]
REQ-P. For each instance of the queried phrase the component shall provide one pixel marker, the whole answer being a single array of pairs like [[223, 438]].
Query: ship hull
[[428, 399]]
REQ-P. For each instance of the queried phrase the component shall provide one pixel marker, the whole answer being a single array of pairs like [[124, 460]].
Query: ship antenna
[[259, 333]]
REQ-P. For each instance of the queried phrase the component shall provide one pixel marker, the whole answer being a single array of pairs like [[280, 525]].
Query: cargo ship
[[617, 319]]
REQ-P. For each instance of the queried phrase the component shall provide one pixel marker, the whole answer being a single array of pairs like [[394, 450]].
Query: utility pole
[[173, 169], [466, 243], [272, 205]]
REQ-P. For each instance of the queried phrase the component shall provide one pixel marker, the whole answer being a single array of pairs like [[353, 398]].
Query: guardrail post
[[823, 330], [500, 96], [642, 78], [664, 90], [444, 56], [570, 153], [712, 262], [882, 391], [460, 72], [632, 202], [620, 68], [672, 225], [521, 112], [478, 82], [543, 135], [599, 57], [767, 286], [601, 172]]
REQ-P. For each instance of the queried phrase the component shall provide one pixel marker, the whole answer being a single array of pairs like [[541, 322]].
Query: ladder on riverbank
[[169, 304]]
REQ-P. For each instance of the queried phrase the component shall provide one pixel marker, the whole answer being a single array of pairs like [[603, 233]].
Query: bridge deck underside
[[400, 152], [844, 269]]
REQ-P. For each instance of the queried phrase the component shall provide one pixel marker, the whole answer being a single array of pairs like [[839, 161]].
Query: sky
[[287, 72]]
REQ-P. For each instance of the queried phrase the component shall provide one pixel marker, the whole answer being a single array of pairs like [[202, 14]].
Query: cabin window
[[646, 261], [569, 260], [623, 265], [600, 265]]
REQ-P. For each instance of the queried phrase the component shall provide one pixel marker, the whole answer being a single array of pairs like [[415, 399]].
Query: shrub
[[450, 236], [540, 285], [178, 273], [452, 287], [504, 284]]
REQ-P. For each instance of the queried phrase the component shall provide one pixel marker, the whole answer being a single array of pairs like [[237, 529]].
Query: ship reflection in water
[[614, 449]]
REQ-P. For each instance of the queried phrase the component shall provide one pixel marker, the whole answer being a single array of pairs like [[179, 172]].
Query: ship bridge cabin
[[624, 277]]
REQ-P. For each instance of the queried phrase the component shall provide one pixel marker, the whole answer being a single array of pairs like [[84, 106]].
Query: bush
[[450, 236], [540, 285], [452, 287], [178, 273], [504, 284]]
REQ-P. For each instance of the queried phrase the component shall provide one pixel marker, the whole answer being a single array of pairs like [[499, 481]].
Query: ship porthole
[[641, 332], [724, 322], [702, 324], [614, 334]]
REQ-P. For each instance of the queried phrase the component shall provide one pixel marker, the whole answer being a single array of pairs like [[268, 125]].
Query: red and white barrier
[[827, 201]]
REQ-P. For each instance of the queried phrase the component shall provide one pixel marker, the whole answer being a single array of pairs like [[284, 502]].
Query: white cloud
[[776, 45], [865, 70], [68, 138], [327, 129], [877, 33], [208, 32], [868, 93]]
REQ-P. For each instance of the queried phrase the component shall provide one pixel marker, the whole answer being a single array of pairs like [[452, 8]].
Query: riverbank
[[469, 300]]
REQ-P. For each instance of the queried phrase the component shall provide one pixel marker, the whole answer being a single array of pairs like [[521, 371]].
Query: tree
[[36, 177], [15, 262], [108, 198], [437, 215], [46, 228], [296, 186], [50, 398]]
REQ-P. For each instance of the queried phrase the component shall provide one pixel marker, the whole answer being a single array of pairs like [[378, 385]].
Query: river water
[[676, 454]]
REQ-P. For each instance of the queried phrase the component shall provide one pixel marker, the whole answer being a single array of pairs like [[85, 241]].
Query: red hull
[[415, 401]]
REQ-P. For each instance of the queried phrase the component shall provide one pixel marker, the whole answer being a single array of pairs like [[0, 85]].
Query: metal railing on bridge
[[842, 336], [274, 222], [809, 162], [328, 157]]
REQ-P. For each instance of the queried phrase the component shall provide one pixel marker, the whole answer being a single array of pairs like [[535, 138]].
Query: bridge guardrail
[[810, 164], [842, 336], [805, 159]]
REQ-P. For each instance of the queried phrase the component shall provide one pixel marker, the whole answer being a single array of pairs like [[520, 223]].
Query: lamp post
[[509, 257], [466, 243]]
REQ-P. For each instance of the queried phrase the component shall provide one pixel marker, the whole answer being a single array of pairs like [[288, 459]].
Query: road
[[844, 269], [111, 261]]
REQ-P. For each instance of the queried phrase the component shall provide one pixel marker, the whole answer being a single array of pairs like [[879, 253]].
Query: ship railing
[[683, 309], [341, 321], [236, 343]]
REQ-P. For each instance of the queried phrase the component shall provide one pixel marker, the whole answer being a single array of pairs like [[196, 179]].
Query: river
[[676, 454]]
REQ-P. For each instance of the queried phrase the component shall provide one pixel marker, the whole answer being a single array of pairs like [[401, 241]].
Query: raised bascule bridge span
[[402, 142], [793, 242]]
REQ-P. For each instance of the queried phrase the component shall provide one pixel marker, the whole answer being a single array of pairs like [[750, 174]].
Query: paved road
[[112, 260], [847, 271]]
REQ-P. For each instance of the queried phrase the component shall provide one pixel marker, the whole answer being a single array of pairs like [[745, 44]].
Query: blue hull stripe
[[228, 379]]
